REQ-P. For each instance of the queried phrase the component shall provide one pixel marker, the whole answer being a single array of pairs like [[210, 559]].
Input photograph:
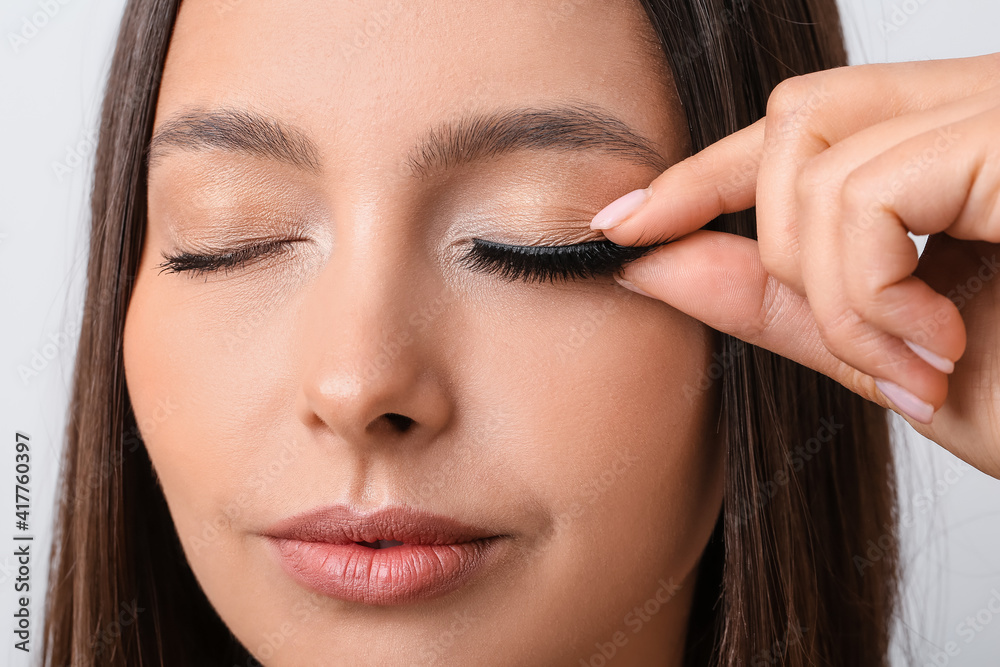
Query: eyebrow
[[236, 131], [474, 138]]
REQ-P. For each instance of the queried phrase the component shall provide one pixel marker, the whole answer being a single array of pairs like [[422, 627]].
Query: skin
[[278, 375], [845, 163]]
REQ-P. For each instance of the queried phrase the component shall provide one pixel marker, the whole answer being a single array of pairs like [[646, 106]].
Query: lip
[[320, 550]]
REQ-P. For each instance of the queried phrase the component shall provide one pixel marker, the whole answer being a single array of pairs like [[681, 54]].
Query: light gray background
[[51, 98]]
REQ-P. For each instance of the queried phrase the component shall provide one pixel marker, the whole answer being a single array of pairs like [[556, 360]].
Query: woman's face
[[359, 361]]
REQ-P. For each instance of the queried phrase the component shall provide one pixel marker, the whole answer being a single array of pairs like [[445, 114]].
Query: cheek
[[618, 396], [210, 368], [217, 454]]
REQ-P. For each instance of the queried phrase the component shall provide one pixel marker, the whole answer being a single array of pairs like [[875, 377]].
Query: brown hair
[[809, 476]]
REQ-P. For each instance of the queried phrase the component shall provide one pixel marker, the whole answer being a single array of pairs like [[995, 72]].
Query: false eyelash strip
[[540, 263]]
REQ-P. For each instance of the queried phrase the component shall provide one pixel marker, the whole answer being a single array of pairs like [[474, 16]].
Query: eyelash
[[590, 259], [507, 262], [236, 258]]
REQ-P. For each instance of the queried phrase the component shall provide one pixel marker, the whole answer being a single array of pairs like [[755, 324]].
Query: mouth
[[381, 544], [390, 556]]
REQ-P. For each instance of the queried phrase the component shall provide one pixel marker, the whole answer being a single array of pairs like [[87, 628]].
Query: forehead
[[364, 78]]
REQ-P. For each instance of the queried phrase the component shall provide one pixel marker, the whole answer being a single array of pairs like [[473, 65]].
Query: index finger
[[722, 178]]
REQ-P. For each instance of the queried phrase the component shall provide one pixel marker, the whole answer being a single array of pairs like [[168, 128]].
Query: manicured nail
[[627, 285], [906, 402], [935, 360], [614, 213]]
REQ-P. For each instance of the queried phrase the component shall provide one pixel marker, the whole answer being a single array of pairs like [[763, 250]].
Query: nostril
[[400, 422]]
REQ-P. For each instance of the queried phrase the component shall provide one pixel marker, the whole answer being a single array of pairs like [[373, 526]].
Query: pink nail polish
[[906, 402], [614, 213], [627, 285], [935, 360]]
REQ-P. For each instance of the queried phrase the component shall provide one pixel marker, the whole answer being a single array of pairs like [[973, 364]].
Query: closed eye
[[541, 263], [235, 258], [528, 263]]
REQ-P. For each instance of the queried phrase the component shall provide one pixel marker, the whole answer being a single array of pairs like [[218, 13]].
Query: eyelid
[[205, 262], [527, 229]]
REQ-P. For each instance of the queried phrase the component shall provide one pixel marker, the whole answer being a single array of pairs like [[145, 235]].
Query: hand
[[844, 164]]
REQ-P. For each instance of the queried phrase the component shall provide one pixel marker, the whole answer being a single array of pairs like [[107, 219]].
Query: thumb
[[719, 279]]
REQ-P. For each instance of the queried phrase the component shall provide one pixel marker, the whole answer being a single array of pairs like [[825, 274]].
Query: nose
[[373, 371]]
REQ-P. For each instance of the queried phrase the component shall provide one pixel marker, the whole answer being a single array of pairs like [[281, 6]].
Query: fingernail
[[935, 360], [614, 213], [627, 285], [906, 402]]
